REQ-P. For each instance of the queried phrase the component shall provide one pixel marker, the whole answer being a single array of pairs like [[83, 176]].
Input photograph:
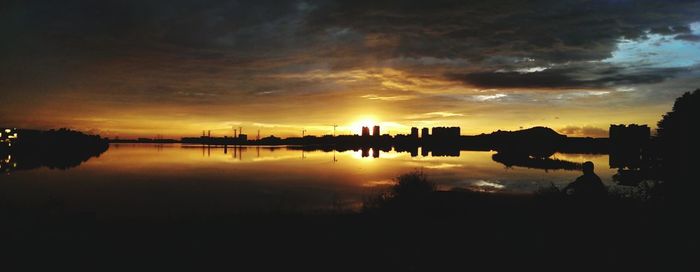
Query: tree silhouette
[[677, 137]]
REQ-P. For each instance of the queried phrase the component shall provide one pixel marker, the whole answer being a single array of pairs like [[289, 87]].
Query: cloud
[[388, 98], [585, 131], [688, 37], [443, 114], [263, 59], [489, 97], [567, 77]]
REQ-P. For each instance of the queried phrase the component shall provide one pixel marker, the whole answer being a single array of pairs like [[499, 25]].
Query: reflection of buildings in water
[[628, 148], [7, 164], [366, 152], [510, 160], [627, 145]]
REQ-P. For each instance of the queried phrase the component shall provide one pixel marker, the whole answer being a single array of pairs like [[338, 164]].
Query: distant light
[[7, 130]]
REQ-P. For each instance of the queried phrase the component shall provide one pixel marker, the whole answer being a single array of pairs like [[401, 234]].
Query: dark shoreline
[[445, 231]]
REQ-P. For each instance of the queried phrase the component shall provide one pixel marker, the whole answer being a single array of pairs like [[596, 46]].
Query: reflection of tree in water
[[510, 160], [56, 149]]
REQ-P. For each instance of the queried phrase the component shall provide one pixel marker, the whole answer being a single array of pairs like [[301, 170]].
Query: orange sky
[[174, 68]]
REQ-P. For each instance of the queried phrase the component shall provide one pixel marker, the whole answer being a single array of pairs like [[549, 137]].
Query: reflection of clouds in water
[[275, 158], [579, 157], [492, 186], [478, 185], [433, 165], [443, 166], [486, 186], [375, 183]]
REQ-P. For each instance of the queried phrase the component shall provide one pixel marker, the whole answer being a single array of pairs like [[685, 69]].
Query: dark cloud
[[555, 31], [180, 53], [688, 37], [558, 78]]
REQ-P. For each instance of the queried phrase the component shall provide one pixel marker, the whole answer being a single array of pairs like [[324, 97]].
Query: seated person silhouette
[[587, 185]]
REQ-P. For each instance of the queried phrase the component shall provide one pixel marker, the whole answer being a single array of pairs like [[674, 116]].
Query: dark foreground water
[[148, 180]]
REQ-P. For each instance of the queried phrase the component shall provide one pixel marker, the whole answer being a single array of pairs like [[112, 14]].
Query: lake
[[151, 179]]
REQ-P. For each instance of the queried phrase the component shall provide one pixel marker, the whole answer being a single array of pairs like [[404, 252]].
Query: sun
[[356, 127]]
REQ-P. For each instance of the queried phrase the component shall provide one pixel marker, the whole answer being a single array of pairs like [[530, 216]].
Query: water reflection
[[11, 161], [234, 178]]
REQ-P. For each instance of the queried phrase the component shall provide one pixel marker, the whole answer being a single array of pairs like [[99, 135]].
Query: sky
[[174, 68]]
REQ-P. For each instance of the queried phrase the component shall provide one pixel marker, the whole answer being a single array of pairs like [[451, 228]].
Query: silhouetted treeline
[[677, 145], [534, 162], [60, 149]]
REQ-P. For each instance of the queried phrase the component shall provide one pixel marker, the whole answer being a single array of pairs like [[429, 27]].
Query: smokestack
[[209, 133]]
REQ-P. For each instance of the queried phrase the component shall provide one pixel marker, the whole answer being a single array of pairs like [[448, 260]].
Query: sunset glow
[[302, 70]]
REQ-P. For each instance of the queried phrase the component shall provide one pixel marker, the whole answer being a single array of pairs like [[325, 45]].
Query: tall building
[[636, 135], [375, 131], [425, 133], [627, 144], [365, 131], [414, 132]]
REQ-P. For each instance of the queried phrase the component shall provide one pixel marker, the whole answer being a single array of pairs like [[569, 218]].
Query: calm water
[[140, 179]]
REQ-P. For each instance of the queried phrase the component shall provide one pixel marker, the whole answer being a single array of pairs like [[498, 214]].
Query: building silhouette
[[629, 135], [627, 145], [425, 133], [414, 132], [375, 131], [365, 131]]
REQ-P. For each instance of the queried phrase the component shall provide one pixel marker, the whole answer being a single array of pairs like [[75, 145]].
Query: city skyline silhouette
[[349, 135]]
